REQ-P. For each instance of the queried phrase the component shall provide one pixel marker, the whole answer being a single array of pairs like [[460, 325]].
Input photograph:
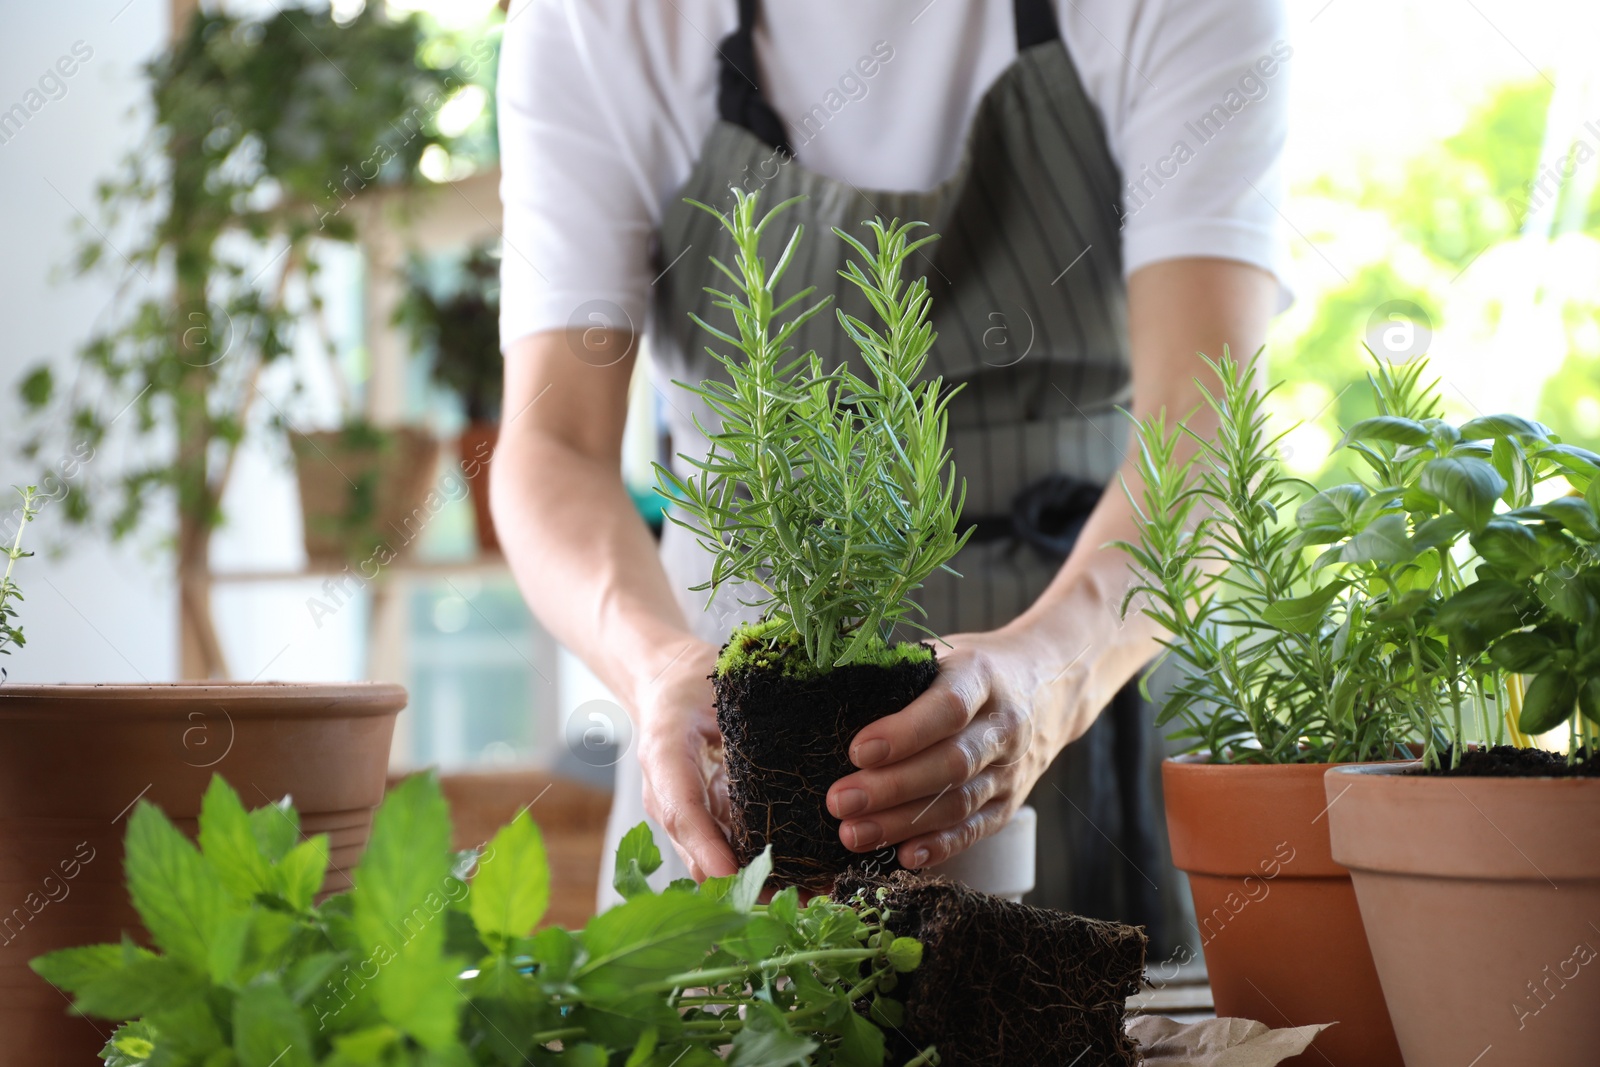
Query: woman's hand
[[958, 762], [680, 752]]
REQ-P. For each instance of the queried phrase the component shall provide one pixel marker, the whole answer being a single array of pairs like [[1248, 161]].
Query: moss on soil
[[749, 648]]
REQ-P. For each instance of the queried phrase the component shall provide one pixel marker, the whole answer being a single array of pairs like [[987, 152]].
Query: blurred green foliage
[[1442, 209]]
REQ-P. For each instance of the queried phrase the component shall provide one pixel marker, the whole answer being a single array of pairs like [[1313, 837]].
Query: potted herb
[[1296, 619], [1478, 869], [829, 498], [414, 964], [459, 326]]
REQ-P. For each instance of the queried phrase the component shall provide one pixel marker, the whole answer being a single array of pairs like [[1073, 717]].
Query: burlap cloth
[[1217, 1042]]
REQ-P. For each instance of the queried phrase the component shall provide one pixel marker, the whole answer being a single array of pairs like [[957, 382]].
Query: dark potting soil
[[1004, 984], [786, 740], [1507, 761]]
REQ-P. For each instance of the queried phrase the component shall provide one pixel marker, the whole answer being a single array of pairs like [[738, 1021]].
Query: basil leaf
[[1384, 541], [1572, 512], [1500, 426], [1548, 701], [1572, 459], [1386, 428], [1438, 532], [1511, 547], [1335, 507], [1523, 652], [1305, 614], [1468, 486], [1589, 701]]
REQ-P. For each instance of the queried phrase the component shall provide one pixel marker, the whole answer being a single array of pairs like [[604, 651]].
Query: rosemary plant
[[1267, 670], [830, 495]]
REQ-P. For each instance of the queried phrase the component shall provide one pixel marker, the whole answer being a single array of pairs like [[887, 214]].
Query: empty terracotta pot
[[1481, 899], [1277, 917], [74, 759]]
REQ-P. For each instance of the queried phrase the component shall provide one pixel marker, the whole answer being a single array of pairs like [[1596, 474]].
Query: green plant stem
[[695, 979]]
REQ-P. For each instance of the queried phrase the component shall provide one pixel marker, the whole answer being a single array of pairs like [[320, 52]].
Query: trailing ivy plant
[[830, 495], [1392, 610], [264, 130], [431, 959]]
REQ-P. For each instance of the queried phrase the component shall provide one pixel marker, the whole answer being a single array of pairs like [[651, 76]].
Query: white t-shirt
[[604, 105]]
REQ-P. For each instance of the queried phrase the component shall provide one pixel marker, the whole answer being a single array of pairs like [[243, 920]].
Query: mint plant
[[430, 958], [831, 495], [10, 595]]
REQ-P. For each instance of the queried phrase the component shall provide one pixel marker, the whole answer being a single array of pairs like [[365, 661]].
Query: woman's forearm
[[581, 553]]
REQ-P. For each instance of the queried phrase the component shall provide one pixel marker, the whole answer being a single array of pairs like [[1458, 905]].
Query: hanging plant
[[263, 131]]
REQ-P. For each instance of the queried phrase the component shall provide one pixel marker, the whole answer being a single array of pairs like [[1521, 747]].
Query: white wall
[[98, 613]]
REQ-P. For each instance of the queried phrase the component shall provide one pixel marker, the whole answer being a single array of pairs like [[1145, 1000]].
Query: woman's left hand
[[958, 762]]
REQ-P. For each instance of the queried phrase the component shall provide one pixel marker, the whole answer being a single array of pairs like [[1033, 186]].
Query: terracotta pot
[[75, 758], [1481, 899], [476, 447], [366, 494], [1277, 916]]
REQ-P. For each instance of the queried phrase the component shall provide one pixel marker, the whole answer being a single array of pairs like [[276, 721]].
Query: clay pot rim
[[1425, 781], [177, 700]]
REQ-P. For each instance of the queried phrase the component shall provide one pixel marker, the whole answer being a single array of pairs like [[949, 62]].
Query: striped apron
[[1031, 311]]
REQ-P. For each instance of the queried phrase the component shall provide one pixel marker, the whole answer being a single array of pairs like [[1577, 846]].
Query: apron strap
[[1036, 23], [739, 97]]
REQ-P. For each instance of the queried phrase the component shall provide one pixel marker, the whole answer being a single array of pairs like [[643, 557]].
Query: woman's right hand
[[680, 753]]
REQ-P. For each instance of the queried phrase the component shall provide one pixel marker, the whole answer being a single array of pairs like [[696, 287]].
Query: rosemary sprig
[[828, 494]]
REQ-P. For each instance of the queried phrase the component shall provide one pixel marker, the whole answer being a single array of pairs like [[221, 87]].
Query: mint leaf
[[298, 876], [277, 828], [767, 1041], [649, 938], [365, 1046], [398, 912], [229, 844], [742, 889], [130, 1046], [183, 904], [73, 968], [268, 1030], [512, 887], [144, 986], [637, 859]]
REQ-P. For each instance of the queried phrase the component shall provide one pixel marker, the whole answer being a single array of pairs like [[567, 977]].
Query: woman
[[1102, 174]]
